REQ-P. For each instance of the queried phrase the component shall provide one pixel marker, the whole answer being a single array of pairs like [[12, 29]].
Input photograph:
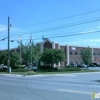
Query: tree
[[30, 51], [86, 55], [35, 53], [51, 56], [3, 57], [14, 59]]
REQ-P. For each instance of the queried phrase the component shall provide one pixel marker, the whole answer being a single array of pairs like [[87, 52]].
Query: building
[[72, 53]]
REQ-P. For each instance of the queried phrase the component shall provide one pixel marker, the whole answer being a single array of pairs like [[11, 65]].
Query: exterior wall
[[96, 54], [63, 48], [56, 46], [47, 44], [75, 57], [67, 55]]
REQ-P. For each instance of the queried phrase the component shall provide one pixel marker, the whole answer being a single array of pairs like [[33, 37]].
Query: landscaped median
[[52, 71]]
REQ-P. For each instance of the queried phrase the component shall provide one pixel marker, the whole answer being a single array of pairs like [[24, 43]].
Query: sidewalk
[[11, 75]]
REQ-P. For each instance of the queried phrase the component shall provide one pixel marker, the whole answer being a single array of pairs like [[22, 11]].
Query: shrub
[[71, 69], [18, 67], [20, 70], [3, 69], [46, 68]]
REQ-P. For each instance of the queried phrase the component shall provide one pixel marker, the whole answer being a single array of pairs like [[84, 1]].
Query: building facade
[[72, 53]]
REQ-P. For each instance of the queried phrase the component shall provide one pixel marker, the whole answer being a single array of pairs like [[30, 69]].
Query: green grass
[[57, 72], [21, 73], [82, 71]]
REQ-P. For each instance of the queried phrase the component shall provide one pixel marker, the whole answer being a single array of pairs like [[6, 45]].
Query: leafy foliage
[[86, 55], [30, 51], [3, 57], [51, 56], [14, 59]]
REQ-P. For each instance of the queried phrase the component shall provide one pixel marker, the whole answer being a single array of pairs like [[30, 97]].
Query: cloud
[[85, 42], [90, 31], [3, 28], [97, 28]]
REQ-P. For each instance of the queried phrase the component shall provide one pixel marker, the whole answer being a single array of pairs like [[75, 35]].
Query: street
[[77, 86]]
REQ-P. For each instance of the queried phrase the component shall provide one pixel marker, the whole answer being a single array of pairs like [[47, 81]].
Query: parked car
[[2, 66], [94, 64], [82, 66]]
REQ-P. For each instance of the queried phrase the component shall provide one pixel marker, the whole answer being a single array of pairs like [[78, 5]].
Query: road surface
[[78, 86]]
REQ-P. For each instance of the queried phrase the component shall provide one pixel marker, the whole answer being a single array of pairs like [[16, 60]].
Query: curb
[[11, 75]]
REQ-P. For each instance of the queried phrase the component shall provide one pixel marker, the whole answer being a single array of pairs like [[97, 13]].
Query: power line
[[64, 26], [62, 18], [34, 12], [17, 7], [59, 27], [76, 34]]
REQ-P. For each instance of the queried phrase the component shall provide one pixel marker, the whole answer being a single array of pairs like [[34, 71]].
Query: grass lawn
[[57, 72]]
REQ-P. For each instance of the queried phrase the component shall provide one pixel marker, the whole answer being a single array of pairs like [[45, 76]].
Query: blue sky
[[59, 20]]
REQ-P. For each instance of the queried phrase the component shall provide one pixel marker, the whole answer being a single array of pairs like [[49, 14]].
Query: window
[[98, 53], [76, 52], [80, 52], [94, 53], [70, 52]]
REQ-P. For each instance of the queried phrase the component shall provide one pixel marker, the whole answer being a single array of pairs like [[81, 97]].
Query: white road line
[[73, 91], [65, 75]]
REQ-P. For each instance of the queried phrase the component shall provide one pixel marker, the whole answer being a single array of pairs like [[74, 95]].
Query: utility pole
[[20, 50], [9, 69], [31, 47]]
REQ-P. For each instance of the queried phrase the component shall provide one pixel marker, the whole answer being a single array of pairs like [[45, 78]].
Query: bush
[[68, 68], [18, 67], [20, 70], [46, 68], [3, 69]]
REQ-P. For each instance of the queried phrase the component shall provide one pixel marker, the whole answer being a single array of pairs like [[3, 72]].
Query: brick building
[[72, 53]]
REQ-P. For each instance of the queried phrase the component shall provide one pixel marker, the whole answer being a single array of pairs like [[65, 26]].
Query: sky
[[73, 22]]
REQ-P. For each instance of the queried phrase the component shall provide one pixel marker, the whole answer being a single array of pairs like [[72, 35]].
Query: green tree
[[3, 57], [51, 56], [35, 53], [86, 55], [14, 59], [30, 51]]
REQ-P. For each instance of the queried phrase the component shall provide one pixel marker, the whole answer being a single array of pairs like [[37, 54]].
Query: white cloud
[[97, 28], [3, 28], [86, 42]]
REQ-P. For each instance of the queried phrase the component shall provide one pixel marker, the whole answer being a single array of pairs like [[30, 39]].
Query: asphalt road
[[51, 87]]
